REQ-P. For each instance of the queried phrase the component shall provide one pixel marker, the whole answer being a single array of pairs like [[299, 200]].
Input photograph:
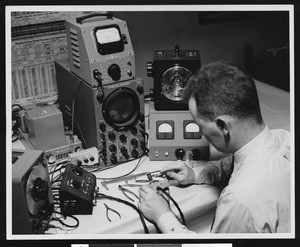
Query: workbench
[[197, 202]]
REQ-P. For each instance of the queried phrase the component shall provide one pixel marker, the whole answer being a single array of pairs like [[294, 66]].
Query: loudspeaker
[[110, 119], [171, 70], [32, 199]]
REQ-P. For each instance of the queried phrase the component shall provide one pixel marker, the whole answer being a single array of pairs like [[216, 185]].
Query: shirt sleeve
[[213, 172], [169, 224], [232, 216]]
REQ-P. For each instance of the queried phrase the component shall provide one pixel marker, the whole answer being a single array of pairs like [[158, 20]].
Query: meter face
[[108, 35], [109, 39]]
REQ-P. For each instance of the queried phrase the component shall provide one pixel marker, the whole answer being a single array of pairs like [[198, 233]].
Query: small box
[[45, 127]]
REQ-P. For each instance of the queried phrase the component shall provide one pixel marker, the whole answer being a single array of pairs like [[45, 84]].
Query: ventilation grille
[[75, 48]]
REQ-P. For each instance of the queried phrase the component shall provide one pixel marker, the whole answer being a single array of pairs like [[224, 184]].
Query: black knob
[[92, 158], [113, 159], [114, 72], [40, 189], [133, 131], [104, 153], [112, 135], [143, 144], [150, 69], [102, 136], [142, 126], [113, 148], [134, 153], [76, 184], [123, 138], [197, 154], [85, 160], [140, 89], [134, 142], [179, 153], [102, 127], [100, 97], [123, 150], [129, 72], [78, 171]]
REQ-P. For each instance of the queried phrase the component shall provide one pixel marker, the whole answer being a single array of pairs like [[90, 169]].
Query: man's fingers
[[178, 165]]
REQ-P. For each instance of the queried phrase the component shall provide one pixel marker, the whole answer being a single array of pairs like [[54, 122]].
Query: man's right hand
[[179, 171]]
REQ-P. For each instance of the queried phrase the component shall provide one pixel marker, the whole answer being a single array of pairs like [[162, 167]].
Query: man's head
[[223, 101]]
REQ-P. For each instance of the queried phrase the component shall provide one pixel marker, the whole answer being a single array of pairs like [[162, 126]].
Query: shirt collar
[[256, 143]]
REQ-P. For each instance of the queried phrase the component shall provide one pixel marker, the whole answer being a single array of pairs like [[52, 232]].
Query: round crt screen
[[121, 108]]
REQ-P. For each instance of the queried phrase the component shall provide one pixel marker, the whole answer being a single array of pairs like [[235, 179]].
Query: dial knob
[[134, 153], [102, 127], [133, 131], [76, 184], [78, 170], [113, 148], [114, 72], [123, 138], [112, 136], [113, 159], [140, 89], [123, 150], [179, 153], [134, 142]]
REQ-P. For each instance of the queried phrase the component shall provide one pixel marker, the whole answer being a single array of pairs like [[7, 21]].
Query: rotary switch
[[114, 72]]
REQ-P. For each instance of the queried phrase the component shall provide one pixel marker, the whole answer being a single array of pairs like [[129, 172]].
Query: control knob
[[123, 138], [140, 89], [114, 72], [113, 159], [134, 153], [112, 135], [134, 142], [113, 148]]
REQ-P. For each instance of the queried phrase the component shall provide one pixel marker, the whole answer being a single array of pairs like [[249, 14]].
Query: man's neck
[[245, 135]]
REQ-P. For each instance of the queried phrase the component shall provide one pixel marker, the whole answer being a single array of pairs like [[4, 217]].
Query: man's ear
[[224, 123]]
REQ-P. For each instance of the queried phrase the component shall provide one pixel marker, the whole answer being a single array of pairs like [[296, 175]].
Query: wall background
[[38, 39], [216, 39]]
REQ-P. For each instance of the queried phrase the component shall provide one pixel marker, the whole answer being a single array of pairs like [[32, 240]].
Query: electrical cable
[[136, 166], [103, 196], [175, 204], [63, 223], [75, 90]]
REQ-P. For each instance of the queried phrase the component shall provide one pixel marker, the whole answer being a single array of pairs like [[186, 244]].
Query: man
[[224, 103]]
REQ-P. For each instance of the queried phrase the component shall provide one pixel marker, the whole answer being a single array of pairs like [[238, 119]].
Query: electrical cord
[[63, 223], [100, 196], [136, 166], [75, 90], [175, 204]]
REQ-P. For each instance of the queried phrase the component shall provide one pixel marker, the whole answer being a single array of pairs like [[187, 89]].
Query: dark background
[[217, 35]]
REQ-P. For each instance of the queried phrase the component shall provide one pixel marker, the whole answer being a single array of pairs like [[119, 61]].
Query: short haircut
[[221, 88]]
